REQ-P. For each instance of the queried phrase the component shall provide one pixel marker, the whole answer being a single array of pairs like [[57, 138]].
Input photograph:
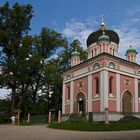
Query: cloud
[[79, 30], [129, 33], [4, 93]]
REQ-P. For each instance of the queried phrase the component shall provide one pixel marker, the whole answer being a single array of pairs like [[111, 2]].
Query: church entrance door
[[127, 105], [81, 103]]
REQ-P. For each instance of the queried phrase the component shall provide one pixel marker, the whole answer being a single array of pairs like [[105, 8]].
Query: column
[[63, 99], [118, 91], [103, 90], [89, 93], [136, 94], [71, 96]]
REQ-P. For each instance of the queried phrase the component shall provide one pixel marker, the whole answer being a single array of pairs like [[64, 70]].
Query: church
[[104, 81]]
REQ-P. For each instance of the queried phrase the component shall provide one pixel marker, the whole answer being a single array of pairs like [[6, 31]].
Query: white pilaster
[[90, 93], [63, 99], [118, 91], [102, 49], [103, 90], [136, 94], [71, 96]]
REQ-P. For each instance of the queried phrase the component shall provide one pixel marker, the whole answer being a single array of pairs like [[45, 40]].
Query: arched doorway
[[126, 102], [81, 104]]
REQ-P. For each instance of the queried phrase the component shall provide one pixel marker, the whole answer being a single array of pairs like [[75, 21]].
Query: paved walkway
[[36, 132]]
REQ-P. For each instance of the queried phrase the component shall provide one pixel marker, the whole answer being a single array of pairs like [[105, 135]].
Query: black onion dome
[[93, 37]]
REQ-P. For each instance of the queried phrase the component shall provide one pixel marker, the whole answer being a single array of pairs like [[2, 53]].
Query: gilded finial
[[103, 24], [102, 18]]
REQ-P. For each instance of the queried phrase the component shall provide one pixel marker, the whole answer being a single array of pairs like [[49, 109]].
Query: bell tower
[[131, 54], [75, 58]]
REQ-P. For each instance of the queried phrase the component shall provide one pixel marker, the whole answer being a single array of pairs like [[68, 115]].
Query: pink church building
[[104, 81]]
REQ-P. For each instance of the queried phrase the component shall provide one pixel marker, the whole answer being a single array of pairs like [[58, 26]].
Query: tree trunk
[[13, 99]]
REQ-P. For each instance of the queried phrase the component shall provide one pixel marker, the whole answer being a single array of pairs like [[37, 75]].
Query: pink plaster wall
[[139, 107], [113, 75], [84, 88], [96, 106], [124, 87], [67, 109], [66, 91], [112, 105], [94, 83]]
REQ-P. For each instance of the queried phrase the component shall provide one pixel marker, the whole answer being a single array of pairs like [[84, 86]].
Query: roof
[[93, 37], [105, 54], [131, 50], [103, 37], [75, 53]]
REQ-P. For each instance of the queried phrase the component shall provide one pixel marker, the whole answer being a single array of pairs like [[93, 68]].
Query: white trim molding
[[63, 99], [89, 93], [71, 96], [118, 91], [136, 94], [103, 90]]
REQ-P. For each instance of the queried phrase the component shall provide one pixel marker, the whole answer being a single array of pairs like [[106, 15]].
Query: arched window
[[138, 73], [95, 52], [68, 76], [68, 89], [112, 65], [139, 90], [110, 84], [96, 66], [113, 51], [92, 53], [97, 85]]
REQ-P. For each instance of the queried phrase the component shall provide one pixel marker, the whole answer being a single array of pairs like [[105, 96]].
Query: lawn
[[97, 126]]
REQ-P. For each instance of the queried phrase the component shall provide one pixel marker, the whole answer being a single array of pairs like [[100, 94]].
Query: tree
[[77, 45], [14, 26]]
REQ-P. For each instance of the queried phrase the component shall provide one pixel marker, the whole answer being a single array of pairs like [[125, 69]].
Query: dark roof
[[93, 37]]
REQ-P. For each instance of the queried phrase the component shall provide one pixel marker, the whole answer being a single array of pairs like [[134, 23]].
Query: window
[[110, 84], [97, 85], [113, 51], [138, 73], [68, 76], [139, 90], [92, 53], [95, 52], [68, 88], [112, 65], [96, 66]]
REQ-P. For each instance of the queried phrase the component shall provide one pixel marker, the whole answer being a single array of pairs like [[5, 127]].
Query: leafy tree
[[77, 45], [14, 26]]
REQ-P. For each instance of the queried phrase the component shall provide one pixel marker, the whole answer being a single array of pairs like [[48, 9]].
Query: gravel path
[[41, 132]]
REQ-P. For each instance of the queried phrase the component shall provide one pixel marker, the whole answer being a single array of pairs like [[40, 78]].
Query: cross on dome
[[103, 24]]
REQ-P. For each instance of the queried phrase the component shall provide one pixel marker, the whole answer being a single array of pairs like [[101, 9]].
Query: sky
[[76, 19]]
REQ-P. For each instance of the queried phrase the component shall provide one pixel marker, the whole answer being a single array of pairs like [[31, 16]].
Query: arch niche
[[80, 104], [127, 103]]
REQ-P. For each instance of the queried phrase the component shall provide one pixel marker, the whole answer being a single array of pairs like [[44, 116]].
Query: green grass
[[97, 126]]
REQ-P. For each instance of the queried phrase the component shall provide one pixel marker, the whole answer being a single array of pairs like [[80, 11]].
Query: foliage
[[27, 64], [14, 26]]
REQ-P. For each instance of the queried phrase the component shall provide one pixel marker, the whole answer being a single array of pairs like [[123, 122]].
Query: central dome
[[93, 37]]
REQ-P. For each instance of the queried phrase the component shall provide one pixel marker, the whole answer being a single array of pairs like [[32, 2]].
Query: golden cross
[[102, 17]]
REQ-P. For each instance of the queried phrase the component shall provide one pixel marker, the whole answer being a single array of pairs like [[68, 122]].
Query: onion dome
[[75, 53], [103, 37], [131, 49], [102, 34]]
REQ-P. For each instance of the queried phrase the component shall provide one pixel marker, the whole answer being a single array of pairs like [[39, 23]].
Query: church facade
[[104, 81]]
